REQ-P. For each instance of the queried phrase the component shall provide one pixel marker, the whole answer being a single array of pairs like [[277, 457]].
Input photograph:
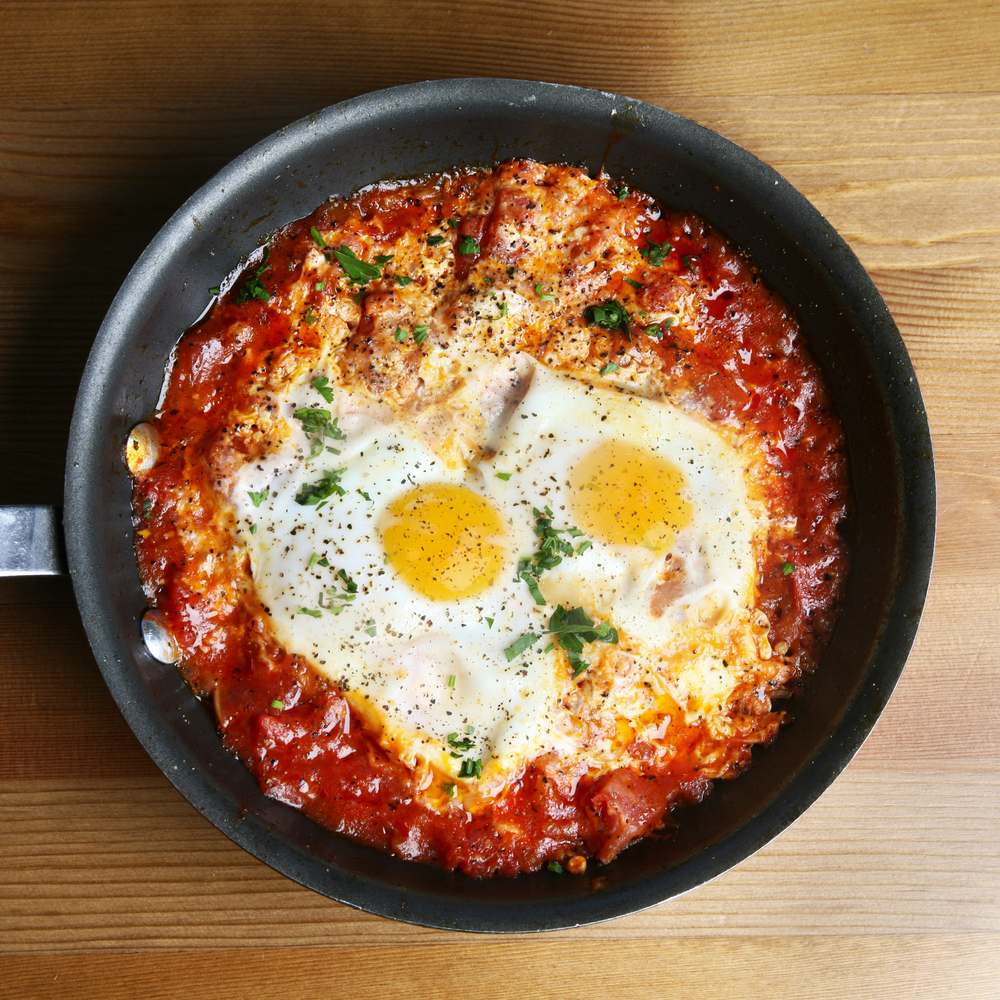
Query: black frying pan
[[412, 130]]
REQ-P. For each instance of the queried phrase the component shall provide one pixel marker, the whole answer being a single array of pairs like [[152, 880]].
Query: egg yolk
[[443, 541], [626, 495]]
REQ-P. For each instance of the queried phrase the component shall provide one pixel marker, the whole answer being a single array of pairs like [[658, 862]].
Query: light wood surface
[[886, 115]]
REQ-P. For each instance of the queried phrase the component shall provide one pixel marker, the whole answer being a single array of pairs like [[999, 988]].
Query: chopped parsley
[[657, 330], [622, 193], [420, 332], [318, 237], [517, 647], [253, 287], [317, 494], [319, 286], [635, 284], [688, 264], [433, 241], [365, 495], [253, 529], [554, 866], [788, 568], [655, 253], [504, 475], [278, 704], [468, 246], [333, 600], [402, 279], [449, 790], [319, 425], [312, 612], [454, 223], [359, 271], [401, 334], [548, 555], [572, 628], [147, 509], [503, 310], [489, 622], [611, 315], [214, 290], [310, 317], [610, 367], [322, 385], [258, 498], [370, 627]]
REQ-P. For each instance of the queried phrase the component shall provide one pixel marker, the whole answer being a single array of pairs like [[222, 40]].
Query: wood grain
[[891, 968], [183, 51], [885, 115]]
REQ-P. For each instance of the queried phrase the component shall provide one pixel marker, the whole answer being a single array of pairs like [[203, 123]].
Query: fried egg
[[416, 584]]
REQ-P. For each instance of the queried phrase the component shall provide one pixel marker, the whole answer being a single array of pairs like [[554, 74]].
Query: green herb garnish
[[610, 367], [420, 332], [611, 315], [322, 385], [214, 290], [402, 279], [470, 768], [278, 704], [554, 866], [433, 241], [318, 237], [359, 271], [258, 498], [319, 425], [319, 286], [254, 288], [451, 680], [688, 264], [253, 529], [543, 295], [655, 253], [370, 627], [622, 193], [454, 223], [334, 600], [504, 475], [467, 246], [572, 628], [400, 335], [548, 555], [309, 317], [312, 612], [788, 568], [317, 494]]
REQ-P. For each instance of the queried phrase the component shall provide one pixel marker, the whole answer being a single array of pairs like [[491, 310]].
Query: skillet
[[412, 130]]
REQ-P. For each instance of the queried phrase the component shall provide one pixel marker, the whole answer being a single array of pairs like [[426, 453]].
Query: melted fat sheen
[[470, 283]]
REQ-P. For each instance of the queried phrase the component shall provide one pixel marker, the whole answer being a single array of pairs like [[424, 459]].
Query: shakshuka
[[493, 513]]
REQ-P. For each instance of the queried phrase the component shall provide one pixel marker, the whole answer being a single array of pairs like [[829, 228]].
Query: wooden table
[[885, 114]]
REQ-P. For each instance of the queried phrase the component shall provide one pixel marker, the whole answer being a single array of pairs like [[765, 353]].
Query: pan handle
[[31, 541]]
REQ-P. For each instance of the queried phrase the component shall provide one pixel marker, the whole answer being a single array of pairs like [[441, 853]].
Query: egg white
[[422, 671]]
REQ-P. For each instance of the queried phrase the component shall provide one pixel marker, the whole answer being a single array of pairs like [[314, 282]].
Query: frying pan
[[402, 133]]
